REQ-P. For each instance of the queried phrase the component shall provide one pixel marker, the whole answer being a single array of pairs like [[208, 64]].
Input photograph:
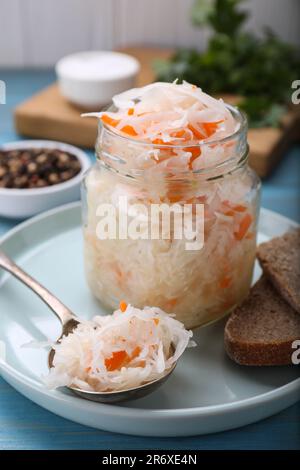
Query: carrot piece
[[123, 306], [110, 121], [239, 208], [229, 144], [243, 227], [195, 132], [141, 364], [225, 282], [236, 207], [196, 152], [158, 142], [178, 134], [210, 127], [173, 198], [129, 130], [156, 321], [229, 213], [116, 361], [135, 353], [120, 359], [130, 111]]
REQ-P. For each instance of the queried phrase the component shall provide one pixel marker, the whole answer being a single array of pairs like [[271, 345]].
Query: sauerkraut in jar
[[172, 144]]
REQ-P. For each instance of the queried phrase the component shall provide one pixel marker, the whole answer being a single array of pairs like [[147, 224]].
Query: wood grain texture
[[38, 33], [24, 425], [48, 115]]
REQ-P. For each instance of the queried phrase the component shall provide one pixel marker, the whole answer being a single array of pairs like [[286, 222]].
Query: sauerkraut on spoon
[[119, 352]]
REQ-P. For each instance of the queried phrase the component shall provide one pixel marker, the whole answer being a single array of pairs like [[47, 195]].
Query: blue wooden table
[[24, 425]]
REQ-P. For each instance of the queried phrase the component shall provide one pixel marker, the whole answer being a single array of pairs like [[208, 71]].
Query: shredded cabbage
[[119, 351], [171, 114], [184, 127]]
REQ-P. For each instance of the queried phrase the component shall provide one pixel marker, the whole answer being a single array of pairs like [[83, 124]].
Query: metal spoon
[[69, 322]]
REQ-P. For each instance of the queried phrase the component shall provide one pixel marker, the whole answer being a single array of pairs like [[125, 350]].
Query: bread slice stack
[[262, 330]]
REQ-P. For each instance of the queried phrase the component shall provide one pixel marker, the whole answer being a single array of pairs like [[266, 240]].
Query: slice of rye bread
[[260, 332], [280, 261]]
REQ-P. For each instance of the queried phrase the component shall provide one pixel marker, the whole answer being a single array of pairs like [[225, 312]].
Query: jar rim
[[239, 115], [219, 169]]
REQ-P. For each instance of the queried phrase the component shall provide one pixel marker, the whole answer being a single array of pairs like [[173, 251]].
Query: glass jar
[[198, 285]]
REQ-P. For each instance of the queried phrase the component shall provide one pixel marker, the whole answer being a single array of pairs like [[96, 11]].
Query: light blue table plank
[[24, 425]]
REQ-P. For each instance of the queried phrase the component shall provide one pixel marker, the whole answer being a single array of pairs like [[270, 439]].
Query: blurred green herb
[[237, 62]]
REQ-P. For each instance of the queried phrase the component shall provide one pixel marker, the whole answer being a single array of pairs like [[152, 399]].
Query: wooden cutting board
[[48, 115]]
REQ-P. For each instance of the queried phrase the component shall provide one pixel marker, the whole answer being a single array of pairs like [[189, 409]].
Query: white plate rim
[[8, 371]]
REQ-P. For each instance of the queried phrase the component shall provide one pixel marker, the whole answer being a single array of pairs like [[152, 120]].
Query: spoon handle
[[60, 310]]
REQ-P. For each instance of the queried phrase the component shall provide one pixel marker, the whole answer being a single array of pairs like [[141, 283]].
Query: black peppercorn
[[36, 168]]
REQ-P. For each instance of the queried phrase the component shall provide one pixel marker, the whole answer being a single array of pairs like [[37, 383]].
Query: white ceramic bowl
[[90, 79], [22, 203]]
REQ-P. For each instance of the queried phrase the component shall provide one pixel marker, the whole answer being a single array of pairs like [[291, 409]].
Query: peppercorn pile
[[36, 168]]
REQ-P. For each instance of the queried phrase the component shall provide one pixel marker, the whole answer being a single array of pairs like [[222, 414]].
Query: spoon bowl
[[69, 321], [124, 395]]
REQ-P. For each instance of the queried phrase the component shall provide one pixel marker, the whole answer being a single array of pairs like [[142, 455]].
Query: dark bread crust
[[280, 261], [261, 331], [259, 354]]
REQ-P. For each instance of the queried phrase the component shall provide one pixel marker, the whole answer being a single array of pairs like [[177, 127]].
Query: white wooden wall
[[39, 32]]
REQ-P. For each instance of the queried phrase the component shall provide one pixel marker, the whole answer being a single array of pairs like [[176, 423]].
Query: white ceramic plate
[[206, 393]]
